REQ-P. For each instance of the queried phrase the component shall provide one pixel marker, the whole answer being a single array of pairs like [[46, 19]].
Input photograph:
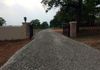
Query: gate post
[[27, 28], [73, 29]]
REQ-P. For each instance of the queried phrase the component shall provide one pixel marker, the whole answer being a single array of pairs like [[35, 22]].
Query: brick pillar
[[73, 29], [26, 25]]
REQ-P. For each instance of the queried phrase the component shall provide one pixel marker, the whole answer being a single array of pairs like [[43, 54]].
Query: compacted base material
[[53, 51]]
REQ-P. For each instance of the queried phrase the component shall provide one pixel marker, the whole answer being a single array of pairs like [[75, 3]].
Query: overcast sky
[[13, 11]]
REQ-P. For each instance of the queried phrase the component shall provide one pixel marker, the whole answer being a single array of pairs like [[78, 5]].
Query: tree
[[36, 23], [2, 21], [63, 16], [70, 6], [54, 23], [44, 25], [79, 10], [91, 10]]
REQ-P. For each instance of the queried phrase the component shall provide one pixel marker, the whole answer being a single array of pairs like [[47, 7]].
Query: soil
[[92, 40], [8, 48]]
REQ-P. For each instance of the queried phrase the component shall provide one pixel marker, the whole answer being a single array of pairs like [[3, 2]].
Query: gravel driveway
[[53, 51]]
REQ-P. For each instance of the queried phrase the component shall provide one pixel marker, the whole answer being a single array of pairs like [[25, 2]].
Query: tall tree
[[63, 16], [2, 21], [44, 25], [71, 6], [91, 10], [35, 23], [77, 8]]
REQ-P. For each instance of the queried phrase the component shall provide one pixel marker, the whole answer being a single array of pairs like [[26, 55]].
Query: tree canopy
[[60, 18], [2, 21], [44, 25], [70, 3], [78, 10], [35, 23]]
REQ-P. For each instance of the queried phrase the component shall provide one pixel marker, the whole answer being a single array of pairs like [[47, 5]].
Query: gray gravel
[[52, 51]]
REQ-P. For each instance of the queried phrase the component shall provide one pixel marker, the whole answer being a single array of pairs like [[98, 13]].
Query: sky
[[13, 11]]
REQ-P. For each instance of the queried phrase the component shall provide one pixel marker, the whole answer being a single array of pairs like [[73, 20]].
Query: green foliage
[[82, 11], [35, 23], [54, 23], [44, 25], [55, 3], [90, 10], [2, 21], [64, 15], [69, 9]]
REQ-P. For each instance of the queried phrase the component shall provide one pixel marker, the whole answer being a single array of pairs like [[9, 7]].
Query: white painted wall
[[13, 33]]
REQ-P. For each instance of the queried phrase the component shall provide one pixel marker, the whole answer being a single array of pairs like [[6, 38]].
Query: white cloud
[[9, 2], [14, 11], [29, 4]]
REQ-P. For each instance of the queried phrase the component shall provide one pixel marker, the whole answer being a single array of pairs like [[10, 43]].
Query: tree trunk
[[79, 14]]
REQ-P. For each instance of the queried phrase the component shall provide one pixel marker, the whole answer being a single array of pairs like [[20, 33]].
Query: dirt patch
[[8, 48], [90, 39], [58, 30]]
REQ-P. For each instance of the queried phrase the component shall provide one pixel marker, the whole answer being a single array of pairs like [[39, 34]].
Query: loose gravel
[[53, 51]]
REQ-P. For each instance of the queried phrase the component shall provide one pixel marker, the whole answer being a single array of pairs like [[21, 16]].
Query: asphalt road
[[53, 51]]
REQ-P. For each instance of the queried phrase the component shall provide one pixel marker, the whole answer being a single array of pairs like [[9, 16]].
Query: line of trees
[[37, 25]]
